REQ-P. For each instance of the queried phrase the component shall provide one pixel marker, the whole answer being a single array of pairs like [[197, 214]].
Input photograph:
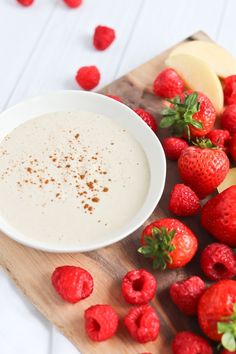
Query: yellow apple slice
[[218, 58], [230, 180], [198, 76]]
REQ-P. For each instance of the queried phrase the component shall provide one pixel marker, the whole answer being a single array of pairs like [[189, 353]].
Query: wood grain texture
[[31, 269]]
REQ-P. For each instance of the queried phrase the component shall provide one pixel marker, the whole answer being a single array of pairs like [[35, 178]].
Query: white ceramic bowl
[[124, 116]]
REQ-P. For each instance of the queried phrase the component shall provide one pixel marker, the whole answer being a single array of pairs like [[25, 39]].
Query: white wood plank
[[226, 33], [66, 45], [20, 29], [163, 23]]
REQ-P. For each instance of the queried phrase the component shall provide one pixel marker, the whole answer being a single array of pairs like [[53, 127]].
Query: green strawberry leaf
[[167, 121], [158, 247], [180, 115]]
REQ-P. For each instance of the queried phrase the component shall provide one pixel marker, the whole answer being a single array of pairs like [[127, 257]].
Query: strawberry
[[217, 313], [183, 201], [230, 89], [218, 216], [203, 167], [173, 147], [228, 119], [232, 147], [187, 342], [191, 114], [169, 243], [220, 138], [147, 118], [168, 84]]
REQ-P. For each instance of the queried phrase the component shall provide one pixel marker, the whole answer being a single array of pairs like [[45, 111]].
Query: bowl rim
[[12, 233]]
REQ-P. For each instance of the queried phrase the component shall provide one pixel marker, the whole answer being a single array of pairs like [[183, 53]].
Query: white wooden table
[[41, 48]]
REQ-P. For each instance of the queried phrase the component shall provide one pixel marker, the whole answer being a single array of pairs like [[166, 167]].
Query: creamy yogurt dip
[[68, 177]]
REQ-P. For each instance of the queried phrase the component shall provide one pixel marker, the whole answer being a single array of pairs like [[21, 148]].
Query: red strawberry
[[138, 287], [72, 283], [203, 167], [187, 342], [220, 138], [103, 37], [88, 77], [142, 323], [215, 308], [232, 147], [173, 147], [186, 294], [168, 84], [101, 322], [191, 114], [147, 117], [230, 89], [183, 201], [218, 262], [218, 216], [25, 2], [169, 243], [228, 119], [73, 3], [225, 351]]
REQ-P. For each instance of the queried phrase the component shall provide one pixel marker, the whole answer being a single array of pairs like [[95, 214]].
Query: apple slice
[[230, 180], [198, 76], [221, 61]]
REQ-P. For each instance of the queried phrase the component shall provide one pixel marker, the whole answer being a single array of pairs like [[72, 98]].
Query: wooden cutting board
[[31, 269]]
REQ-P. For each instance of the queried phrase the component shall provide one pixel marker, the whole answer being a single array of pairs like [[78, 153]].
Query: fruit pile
[[194, 87], [203, 154]]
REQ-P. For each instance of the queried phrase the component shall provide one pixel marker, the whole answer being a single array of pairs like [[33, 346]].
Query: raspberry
[[228, 119], [183, 201], [142, 323], [230, 90], [103, 37], [219, 137], [187, 342], [88, 77], [138, 287], [147, 117], [117, 98], [225, 351], [101, 322], [72, 283], [173, 147], [218, 262], [25, 2], [73, 3], [186, 293], [168, 84]]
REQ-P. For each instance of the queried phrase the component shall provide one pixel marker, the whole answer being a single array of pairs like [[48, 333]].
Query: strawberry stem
[[158, 246], [204, 143], [228, 329], [180, 115]]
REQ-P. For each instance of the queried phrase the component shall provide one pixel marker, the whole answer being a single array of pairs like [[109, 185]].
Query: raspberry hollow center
[[220, 268], [138, 284], [95, 325]]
